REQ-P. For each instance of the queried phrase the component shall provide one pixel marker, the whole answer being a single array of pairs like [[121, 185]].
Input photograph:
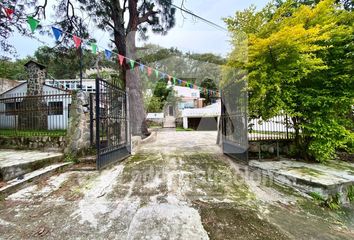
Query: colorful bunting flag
[[132, 63], [174, 81], [57, 33], [179, 81], [33, 23], [157, 73], [108, 54], [121, 59], [9, 12], [142, 67], [163, 75], [77, 41], [149, 71], [169, 77], [94, 48]]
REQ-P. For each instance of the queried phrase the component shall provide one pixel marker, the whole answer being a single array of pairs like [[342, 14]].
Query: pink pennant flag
[[121, 59], [149, 71], [77, 41], [195, 87], [169, 77]]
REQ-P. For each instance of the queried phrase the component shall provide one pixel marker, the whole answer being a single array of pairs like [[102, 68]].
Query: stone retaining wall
[[269, 149], [44, 142]]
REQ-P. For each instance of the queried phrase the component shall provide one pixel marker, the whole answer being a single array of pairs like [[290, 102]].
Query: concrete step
[[325, 179], [15, 163], [169, 122], [17, 184]]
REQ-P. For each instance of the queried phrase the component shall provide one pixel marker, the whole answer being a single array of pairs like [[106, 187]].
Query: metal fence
[[43, 115], [276, 128], [111, 118]]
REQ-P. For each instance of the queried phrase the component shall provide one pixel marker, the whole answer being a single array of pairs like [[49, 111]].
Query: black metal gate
[[112, 124], [234, 125]]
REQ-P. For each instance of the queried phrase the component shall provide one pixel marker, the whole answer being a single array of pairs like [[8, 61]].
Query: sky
[[189, 34]]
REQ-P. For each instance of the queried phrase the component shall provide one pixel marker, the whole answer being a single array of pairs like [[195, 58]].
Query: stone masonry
[[78, 137], [34, 117]]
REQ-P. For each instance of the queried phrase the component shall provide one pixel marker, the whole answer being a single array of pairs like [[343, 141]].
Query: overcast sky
[[188, 35]]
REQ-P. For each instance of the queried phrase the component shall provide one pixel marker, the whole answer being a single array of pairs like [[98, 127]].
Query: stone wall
[[45, 142], [270, 149], [78, 136]]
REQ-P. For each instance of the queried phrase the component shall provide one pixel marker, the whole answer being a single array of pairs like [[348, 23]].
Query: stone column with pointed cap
[[35, 112]]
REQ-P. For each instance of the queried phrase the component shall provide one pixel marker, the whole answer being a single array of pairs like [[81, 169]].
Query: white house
[[57, 101], [205, 118], [189, 97]]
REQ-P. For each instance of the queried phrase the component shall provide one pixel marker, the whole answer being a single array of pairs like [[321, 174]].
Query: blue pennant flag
[[163, 75], [179, 81], [108, 54], [57, 33], [142, 67]]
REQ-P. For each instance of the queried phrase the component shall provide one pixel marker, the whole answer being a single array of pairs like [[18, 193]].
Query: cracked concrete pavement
[[178, 187]]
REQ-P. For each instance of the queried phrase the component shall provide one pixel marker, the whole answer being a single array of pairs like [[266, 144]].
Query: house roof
[[13, 88], [64, 90], [38, 64]]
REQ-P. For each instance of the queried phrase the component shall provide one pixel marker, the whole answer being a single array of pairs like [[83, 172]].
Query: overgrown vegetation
[[332, 202], [350, 193], [300, 62]]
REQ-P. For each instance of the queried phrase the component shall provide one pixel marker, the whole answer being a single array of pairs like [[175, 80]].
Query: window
[[55, 108], [12, 108]]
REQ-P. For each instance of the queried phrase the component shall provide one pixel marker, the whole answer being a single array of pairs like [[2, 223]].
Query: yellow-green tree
[[300, 62]]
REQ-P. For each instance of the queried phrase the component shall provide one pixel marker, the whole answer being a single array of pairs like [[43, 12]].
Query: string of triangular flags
[[58, 33], [9, 11]]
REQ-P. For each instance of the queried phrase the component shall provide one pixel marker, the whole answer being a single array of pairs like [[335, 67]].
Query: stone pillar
[[34, 115], [78, 137], [36, 80]]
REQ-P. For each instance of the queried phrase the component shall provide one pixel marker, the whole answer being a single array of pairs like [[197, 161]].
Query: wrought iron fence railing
[[42, 115], [276, 128]]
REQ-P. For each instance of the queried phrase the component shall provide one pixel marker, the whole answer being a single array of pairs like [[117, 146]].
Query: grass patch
[[31, 133], [180, 129]]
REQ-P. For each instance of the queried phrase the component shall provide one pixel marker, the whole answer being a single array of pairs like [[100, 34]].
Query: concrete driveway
[[178, 187]]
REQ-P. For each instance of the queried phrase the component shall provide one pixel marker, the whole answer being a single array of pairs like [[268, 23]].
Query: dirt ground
[[178, 187]]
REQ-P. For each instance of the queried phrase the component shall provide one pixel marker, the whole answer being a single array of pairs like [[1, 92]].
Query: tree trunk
[[134, 87]]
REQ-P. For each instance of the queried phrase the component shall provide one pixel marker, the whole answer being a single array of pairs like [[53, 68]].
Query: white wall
[[55, 122]]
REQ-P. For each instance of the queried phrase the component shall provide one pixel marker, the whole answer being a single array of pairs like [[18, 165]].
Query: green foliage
[[300, 62], [350, 193], [197, 67], [153, 104], [316, 196], [208, 84], [332, 202], [69, 157], [13, 70]]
